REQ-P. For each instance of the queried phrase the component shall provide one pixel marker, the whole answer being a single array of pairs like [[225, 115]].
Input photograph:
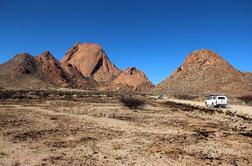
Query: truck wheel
[[212, 105]]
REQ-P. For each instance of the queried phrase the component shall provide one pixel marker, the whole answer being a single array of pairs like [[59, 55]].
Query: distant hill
[[204, 72], [42, 71], [21, 72], [133, 78], [84, 66]]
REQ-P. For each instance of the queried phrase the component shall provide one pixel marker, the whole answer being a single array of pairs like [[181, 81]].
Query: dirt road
[[240, 109], [100, 130]]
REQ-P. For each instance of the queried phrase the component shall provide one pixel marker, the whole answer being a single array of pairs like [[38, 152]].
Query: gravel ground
[[100, 130]]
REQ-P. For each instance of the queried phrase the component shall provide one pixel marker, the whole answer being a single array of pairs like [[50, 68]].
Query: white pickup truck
[[216, 101]]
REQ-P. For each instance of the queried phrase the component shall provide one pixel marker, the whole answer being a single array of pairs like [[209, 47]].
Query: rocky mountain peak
[[131, 70], [50, 68], [46, 56], [47, 62], [134, 78], [202, 72], [91, 60], [19, 58], [22, 63], [204, 57]]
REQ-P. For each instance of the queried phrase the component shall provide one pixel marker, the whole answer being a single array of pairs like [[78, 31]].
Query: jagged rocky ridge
[[84, 66]]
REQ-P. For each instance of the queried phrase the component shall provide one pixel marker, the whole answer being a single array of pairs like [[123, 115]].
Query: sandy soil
[[100, 130]]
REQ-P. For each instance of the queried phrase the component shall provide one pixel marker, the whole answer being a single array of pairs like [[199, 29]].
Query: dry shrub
[[246, 99], [2, 154], [6, 94], [247, 133], [117, 146], [185, 97], [131, 102]]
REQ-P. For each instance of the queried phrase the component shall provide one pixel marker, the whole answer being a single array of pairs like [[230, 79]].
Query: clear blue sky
[[153, 35]]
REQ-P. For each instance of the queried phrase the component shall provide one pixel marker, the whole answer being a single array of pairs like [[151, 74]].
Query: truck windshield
[[222, 98]]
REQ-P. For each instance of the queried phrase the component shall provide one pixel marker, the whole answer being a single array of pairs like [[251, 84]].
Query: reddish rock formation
[[131, 77], [205, 72], [42, 71], [51, 70], [84, 66], [248, 77], [91, 61], [23, 72], [54, 73], [23, 63]]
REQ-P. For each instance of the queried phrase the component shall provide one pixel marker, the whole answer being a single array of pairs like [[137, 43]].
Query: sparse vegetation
[[2, 154], [17, 163], [117, 146], [247, 133], [185, 97], [247, 99]]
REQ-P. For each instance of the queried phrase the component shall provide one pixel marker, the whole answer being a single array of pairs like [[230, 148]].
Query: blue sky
[[153, 35]]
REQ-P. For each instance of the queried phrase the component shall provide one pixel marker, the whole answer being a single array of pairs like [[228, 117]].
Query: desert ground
[[70, 128]]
